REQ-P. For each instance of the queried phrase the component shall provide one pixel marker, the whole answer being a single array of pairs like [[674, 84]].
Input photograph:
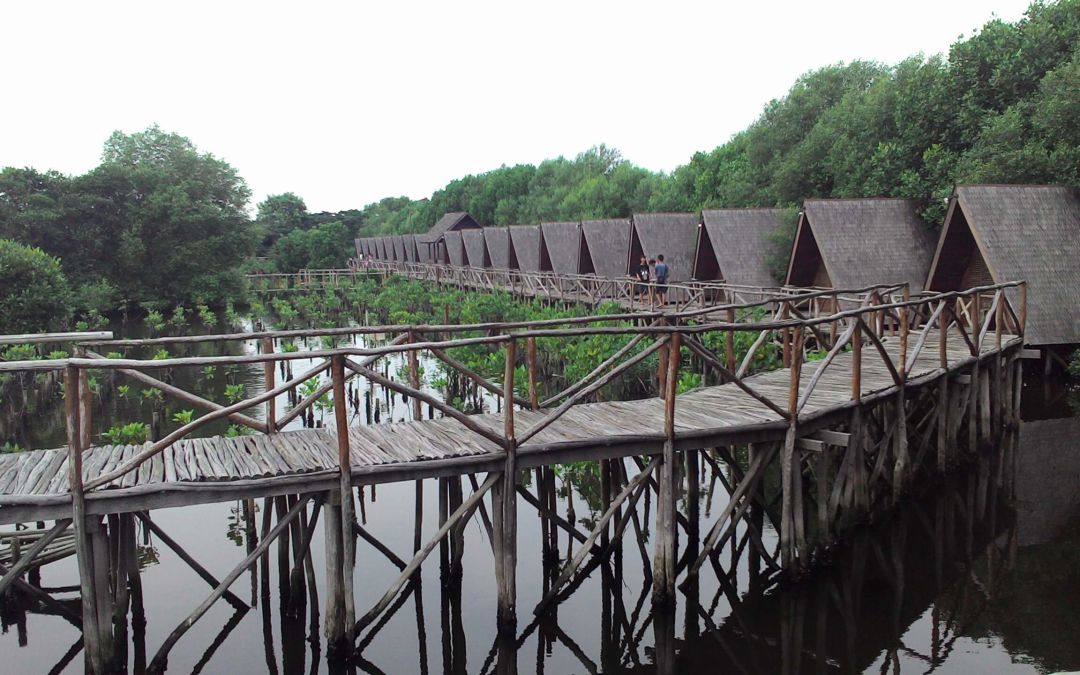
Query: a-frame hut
[[733, 245], [399, 248], [497, 241], [358, 244], [855, 243], [475, 249], [410, 248], [382, 250], [455, 249], [673, 235], [607, 246], [433, 239], [562, 241], [999, 233], [527, 249]]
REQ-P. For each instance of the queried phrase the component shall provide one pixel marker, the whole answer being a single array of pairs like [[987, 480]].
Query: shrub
[[34, 293]]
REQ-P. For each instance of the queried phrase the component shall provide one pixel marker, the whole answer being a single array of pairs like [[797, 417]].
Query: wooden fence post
[[792, 524], [83, 550], [530, 352], [729, 342], [664, 566], [347, 516], [504, 507], [269, 379]]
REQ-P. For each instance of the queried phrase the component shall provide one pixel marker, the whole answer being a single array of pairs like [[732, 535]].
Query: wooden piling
[[269, 384], [505, 509], [348, 517], [664, 564]]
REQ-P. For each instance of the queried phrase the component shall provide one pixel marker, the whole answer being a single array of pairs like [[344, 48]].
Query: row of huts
[[991, 234]]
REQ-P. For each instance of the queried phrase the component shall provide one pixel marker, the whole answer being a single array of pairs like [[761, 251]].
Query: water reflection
[[978, 575]]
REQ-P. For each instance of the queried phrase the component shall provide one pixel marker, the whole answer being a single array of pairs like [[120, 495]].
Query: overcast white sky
[[346, 103]]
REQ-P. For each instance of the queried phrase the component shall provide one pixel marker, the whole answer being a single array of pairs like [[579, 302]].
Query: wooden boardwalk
[[34, 485]]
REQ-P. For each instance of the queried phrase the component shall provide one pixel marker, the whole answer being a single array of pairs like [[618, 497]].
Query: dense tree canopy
[[156, 222]]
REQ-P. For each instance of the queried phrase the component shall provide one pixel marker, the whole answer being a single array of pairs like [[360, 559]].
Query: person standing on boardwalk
[[642, 276], [662, 272]]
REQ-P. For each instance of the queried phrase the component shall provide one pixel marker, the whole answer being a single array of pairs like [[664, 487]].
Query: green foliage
[[234, 392], [183, 416], [1074, 364], [327, 245], [160, 355], [206, 315], [151, 394], [123, 390], [8, 448], [34, 293], [131, 433], [179, 316], [156, 320], [157, 220]]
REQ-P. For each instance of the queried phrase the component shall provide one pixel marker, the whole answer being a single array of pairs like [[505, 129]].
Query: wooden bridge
[[896, 388], [587, 289]]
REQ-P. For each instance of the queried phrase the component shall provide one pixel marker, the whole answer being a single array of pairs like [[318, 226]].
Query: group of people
[[652, 276]]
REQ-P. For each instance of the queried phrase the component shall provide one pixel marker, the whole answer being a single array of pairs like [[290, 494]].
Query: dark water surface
[[976, 576]]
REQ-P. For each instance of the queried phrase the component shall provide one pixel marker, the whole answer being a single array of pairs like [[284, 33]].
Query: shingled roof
[[458, 220], [410, 247], [525, 240], [399, 247], [562, 241], [734, 245], [497, 240], [380, 243], [673, 235], [455, 249], [608, 243], [854, 243], [1005, 233], [475, 250]]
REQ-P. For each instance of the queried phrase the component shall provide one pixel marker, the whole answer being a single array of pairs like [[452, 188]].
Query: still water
[[973, 577]]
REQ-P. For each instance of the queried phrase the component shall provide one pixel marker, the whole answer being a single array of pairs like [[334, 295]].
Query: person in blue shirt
[[662, 271]]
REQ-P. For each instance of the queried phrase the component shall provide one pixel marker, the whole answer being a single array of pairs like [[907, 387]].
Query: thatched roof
[[410, 247], [861, 242], [358, 244], [1022, 232], [526, 242], [608, 242], [475, 251], [380, 243], [399, 247], [1046, 479], [455, 248], [459, 220], [497, 240], [673, 235], [738, 239], [563, 244]]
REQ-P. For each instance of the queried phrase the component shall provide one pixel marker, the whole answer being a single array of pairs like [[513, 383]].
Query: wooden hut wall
[[525, 240], [706, 266], [870, 241], [475, 250], [1021, 232], [455, 249], [562, 241], [607, 243], [497, 241], [673, 235], [737, 242]]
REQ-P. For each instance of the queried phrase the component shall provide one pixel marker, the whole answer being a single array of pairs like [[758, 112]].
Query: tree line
[[161, 222]]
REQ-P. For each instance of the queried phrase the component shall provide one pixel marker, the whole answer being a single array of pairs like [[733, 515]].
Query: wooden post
[[530, 352], [83, 549], [900, 439], [662, 369], [729, 342], [664, 565], [944, 403], [505, 508], [348, 518], [1023, 308], [791, 470], [785, 335], [86, 401], [856, 362], [269, 381]]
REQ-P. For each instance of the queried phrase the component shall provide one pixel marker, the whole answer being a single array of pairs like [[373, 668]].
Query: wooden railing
[[975, 315]]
